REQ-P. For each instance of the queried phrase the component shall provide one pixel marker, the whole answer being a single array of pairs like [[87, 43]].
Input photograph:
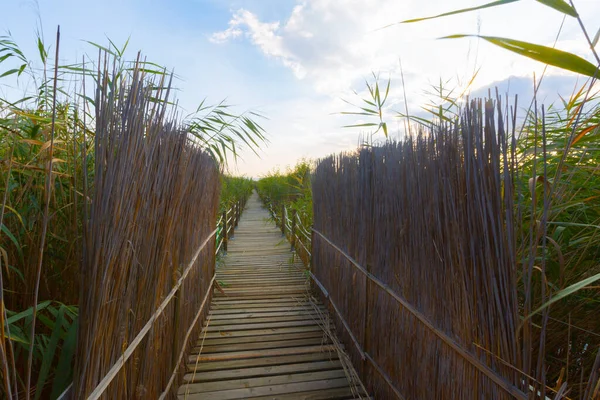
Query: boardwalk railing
[[290, 223], [227, 223], [225, 229]]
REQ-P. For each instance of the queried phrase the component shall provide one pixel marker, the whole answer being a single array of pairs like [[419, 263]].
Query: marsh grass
[[291, 189], [554, 202], [49, 155], [155, 201]]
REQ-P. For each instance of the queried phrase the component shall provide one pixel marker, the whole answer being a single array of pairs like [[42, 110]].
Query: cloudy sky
[[294, 61]]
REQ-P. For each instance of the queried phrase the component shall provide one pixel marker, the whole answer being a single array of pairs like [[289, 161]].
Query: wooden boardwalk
[[265, 338]]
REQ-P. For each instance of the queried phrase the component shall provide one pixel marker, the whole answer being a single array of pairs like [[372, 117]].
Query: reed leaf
[[546, 55], [559, 5], [461, 11], [561, 294]]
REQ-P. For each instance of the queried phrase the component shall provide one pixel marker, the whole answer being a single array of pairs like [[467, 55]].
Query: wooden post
[[235, 214], [233, 223], [177, 307], [283, 220], [225, 231], [293, 232]]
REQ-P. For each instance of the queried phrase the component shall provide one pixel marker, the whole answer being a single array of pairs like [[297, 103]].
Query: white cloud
[[334, 43], [321, 40], [261, 34], [222, 37], [303, 127]]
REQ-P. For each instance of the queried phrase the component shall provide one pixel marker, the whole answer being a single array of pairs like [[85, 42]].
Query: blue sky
[[294, 60]]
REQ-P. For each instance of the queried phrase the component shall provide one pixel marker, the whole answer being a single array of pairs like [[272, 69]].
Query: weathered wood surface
[[263, 338]]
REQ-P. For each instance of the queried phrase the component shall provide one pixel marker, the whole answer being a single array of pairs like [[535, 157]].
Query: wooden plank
[[267, 325], [260, 292], [260, 381], [263, 338], [265, 282], [234, 355], [223, 301], [327, 394], [277, 344], [256, 332], [233, 311], [269, 390], [267, 277], [266, 273], [251, 307], [263, 278], [227, 303], [261, 268], [295, 295], [270, 284], [279, 270], [246, 304], [259, 362], [263, 314], [265, 319], [276, 264], [279, 289], [261, 371]]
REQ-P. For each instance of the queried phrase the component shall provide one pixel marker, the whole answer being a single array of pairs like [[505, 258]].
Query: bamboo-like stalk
[[154, 202], [48, 196], [6, 348], [435, 211]]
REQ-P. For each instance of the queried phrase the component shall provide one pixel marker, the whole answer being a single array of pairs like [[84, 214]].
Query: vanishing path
[[265, 337]]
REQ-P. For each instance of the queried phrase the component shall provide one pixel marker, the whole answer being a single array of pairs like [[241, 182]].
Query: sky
[[296, 61]]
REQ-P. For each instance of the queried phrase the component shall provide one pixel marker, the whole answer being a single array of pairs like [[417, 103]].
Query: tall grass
[[398, 210], [233, 189], [291, 189], [559, 242], [49, 150], [154, 205], [557, 225]]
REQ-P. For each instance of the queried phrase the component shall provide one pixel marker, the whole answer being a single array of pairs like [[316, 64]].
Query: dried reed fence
[[151, 226], [414, 246]]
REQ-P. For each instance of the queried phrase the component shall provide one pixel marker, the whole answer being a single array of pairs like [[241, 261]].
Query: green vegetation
[[234, 188], [291, 189], [557, 200], [47, 147], [47, 152], [289, 194]]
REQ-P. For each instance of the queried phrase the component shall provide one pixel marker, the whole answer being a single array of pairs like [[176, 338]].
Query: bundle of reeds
[[154, 203], [417, 244]]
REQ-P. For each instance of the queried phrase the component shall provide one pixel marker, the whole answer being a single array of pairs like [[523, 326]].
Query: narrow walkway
[[265, 338]]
